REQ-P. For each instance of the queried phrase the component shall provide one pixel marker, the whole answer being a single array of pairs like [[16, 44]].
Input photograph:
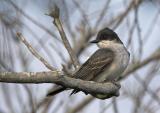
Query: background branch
[[34, 52], [133, 67]]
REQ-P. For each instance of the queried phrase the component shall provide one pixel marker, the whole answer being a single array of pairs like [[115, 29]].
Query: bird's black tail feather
[[74, 92], [56, 91]]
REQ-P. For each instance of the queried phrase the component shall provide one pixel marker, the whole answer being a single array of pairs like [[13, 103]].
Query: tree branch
[[58, 24], [134, 67], [34, 52], [37, 23], [56, 77]]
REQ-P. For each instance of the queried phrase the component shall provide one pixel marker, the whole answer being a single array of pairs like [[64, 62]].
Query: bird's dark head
[[107, 34]]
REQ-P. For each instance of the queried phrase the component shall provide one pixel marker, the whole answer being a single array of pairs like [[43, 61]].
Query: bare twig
[[30, 98], [58, 24], [81, 105], [34, 52], [106, 6], [67, 22], [32, 20], [154, 96], [121, 17], [82, 12], [6, 96], [140, 41], [151, 27], [134, 67], [44, 103], [115, 108], [57, 107]]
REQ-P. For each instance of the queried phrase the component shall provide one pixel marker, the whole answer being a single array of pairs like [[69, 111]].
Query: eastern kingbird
[[106, 64]]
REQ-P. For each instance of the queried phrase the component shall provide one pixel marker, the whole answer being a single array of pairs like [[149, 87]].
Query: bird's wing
[[101, 59], [95, 64]]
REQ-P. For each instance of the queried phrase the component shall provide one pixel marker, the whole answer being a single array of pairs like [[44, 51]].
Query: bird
[[106, 64]]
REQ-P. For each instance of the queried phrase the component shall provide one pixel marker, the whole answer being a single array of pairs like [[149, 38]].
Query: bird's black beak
[[94, 41]]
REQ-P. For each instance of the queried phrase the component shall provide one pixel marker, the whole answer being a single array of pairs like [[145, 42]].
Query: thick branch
[[55, 77]]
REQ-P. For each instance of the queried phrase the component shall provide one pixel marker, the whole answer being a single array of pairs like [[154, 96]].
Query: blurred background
[[136, 22]]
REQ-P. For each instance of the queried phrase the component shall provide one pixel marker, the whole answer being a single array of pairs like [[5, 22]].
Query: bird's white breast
[[119, 63]]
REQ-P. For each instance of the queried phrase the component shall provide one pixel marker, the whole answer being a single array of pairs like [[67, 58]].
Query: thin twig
[[134, 67], [6, 89], [115, 107], [34, 52], [153, 95], [58, 24], [103, 12], [121, 17], [82, 12], [140, 41], [37, 23], [81, 105]]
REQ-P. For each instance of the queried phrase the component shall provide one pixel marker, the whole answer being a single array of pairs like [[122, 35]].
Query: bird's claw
[[116, 83]]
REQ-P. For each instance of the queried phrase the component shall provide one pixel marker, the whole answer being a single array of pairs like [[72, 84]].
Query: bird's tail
[[55, 91]]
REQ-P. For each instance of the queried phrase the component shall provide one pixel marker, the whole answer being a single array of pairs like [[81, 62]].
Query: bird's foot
[[116, 83]]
